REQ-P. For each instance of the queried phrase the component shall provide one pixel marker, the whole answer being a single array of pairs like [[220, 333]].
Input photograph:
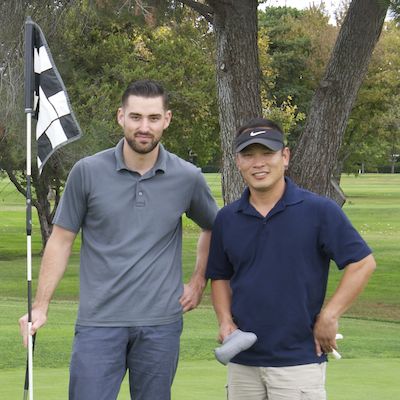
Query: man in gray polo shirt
[[128, 202]]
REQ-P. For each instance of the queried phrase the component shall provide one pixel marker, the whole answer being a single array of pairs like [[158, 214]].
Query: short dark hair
[[146, 88], [258, 123]]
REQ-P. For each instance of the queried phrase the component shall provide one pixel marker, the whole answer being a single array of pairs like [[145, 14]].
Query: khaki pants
[[300, 382]]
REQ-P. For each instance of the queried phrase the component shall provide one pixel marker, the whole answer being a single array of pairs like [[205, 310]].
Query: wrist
[[225, 320], [42, 307], [328, 314], [198, 280]]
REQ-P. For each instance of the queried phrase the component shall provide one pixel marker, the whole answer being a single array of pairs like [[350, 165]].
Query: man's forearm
[[351, 285], [53, 265], [193, 291], [222, 299], [354, 280], [203, 247]]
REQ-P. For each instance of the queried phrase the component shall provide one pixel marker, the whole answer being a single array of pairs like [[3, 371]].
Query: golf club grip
[[26, 385]]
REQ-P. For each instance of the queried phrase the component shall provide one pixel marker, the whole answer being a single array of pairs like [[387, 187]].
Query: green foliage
[[373, 132], [299, 43], [299, 46], [286, 115], [101, 56]]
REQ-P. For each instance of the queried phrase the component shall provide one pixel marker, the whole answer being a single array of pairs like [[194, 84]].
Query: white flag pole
[[29, 85], [29, 249]]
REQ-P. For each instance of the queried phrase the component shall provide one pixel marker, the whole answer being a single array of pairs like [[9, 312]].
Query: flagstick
[[29, 250]]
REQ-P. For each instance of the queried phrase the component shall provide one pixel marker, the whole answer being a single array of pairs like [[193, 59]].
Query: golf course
[[370, 364]]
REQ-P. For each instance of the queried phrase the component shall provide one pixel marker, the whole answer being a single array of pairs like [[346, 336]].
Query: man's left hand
[[325, 330]]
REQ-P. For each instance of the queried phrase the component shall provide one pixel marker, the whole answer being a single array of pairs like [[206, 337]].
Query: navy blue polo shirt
[[278, 270]]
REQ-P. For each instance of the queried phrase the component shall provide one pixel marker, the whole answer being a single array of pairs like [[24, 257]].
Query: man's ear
[[168, 118], [286, 157], [120, 116]]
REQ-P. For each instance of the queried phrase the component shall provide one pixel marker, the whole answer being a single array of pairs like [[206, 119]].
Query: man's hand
[[354, 279], [325, 330], [226, 329], [192, 293], [39, 318]]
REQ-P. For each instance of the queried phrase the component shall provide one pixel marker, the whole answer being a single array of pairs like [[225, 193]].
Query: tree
[[12, 118], [177, 54], [238, 74], [300, 44], [85, 44], [316, 153], [371, 131], [97, 78]]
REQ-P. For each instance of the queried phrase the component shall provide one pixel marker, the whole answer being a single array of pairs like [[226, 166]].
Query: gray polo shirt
[[130, 262]]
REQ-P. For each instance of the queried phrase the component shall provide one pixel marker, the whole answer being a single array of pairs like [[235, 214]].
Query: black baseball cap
[[259, 130]]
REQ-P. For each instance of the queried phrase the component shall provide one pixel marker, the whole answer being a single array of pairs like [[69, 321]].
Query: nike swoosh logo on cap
[[255, 133]]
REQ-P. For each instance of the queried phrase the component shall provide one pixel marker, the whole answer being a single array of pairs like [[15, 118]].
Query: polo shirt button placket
[[140, 199]]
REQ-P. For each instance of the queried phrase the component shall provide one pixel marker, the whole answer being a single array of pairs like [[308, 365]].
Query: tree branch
[[15, 181], [201, 8]]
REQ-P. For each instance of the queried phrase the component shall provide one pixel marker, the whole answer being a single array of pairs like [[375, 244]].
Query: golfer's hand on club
[[192, 293], [325, 330], [39, 318]]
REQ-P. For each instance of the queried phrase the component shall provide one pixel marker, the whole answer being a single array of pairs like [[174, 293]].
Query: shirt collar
[[292, 195], [160, 165]]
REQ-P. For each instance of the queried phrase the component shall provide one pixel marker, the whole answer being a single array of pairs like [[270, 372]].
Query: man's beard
[[142, 149]]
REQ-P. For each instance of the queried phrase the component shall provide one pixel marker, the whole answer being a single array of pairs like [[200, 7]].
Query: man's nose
[[260, 160], [144, 125]]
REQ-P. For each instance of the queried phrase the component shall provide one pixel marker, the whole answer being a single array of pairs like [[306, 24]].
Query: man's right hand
[[226, 329], [39, 318]]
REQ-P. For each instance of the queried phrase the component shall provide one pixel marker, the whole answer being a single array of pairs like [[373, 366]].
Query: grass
[[371, 349], [199, 380]]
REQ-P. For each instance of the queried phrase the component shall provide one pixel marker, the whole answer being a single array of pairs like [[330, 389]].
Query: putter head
[[233, 344]]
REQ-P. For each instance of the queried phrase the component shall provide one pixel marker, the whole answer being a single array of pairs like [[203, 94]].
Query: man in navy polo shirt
[[128, 202], [269, 260]]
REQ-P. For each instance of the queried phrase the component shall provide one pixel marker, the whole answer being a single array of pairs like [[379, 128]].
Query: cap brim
[[274, 145]]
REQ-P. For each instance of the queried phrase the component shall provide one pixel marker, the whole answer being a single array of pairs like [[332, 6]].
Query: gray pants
[[101, 357]]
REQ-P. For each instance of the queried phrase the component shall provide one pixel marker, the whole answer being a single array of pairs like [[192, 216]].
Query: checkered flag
[[46, 97]]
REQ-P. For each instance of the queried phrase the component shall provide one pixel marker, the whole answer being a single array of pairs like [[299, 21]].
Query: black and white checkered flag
[[46, 96]]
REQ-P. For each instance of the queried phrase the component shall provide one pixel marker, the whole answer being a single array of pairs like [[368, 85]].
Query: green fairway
[[198, 380], [371, 328]]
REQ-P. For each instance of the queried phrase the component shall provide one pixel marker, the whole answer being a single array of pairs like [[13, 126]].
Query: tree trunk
[[43, 207], [40, 201], [315, 156], [235, 25]]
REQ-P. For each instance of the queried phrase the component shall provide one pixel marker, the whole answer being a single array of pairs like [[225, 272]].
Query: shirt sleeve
[[71, 210], [218, 266], [202, 207], [339, 239]]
